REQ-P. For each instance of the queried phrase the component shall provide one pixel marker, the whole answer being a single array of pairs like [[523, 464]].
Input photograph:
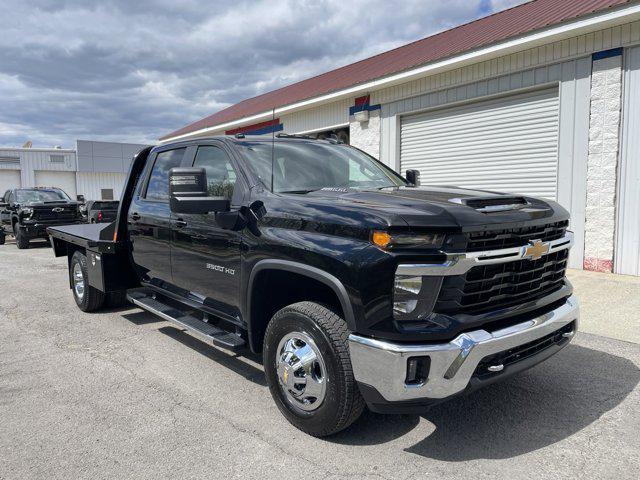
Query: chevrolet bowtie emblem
[[535, 250], [57, 209]]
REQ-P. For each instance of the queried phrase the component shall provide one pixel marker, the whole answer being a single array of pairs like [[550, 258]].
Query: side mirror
[[413, 177], [80, 198], [188, 192]]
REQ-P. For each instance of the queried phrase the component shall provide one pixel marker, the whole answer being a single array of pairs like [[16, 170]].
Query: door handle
[[180, 223], [135, 217]]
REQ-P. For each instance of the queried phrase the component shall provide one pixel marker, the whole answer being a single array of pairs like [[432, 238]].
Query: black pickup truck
[[100, 211], [358, 286], [26, 213]]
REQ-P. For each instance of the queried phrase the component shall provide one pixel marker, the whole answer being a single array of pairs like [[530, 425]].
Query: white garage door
[[64, 180], [627, 252], [9, 179], [507, 144]]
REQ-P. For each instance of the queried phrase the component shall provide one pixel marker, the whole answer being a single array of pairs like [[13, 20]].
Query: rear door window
[[158, 185]]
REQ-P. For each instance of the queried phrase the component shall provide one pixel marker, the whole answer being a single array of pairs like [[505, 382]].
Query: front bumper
[[381, 366], [39, 229]]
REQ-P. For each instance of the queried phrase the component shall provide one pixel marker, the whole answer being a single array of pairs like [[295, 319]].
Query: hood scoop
[[500, 203]]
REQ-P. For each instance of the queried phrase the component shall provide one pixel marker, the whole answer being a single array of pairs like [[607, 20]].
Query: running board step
[[205, 331]]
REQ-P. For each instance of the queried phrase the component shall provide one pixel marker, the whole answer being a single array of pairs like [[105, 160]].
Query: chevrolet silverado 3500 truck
[[358, 286]]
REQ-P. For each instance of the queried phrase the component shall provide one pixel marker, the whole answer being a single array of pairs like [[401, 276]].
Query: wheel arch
[[256, 324]]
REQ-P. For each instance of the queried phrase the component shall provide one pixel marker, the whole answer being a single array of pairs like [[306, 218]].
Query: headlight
[[83, 209], [390, 241], [405, 294], [26, 212], [414, 297]]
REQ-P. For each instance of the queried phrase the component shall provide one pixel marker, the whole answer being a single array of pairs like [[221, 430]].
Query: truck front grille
[[491, 287], [47, 214], [515, 237]]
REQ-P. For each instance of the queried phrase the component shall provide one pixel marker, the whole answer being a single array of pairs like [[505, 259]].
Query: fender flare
[[307, 271]]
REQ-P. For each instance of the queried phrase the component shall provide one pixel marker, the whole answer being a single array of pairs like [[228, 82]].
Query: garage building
[[96, 170], [541, 99]]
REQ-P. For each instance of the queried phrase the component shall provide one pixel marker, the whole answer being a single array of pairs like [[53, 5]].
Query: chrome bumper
[[383, 365]]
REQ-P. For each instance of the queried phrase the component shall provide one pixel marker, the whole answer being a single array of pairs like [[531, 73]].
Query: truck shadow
[[525, 413], [233, 361]]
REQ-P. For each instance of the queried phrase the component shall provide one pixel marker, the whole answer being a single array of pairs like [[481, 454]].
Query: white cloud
[[133, 71]]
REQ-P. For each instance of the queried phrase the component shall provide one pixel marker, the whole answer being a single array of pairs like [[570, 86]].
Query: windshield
[[49, 195], [301, 167]]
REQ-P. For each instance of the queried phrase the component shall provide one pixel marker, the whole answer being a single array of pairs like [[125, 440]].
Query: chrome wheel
[[78, 281], [301, 371]]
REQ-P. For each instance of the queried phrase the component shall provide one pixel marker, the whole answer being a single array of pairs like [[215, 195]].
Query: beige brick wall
[[604, 124]]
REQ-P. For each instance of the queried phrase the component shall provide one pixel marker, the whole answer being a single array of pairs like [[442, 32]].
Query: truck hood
[[52, 204], [450, 208]]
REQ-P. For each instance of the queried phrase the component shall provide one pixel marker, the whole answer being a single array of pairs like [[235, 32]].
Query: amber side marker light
[[381, 239]]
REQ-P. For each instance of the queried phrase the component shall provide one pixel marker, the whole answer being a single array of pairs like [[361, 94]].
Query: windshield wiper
[[300, 191]]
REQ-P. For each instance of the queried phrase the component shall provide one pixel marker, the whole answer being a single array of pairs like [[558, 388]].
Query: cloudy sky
[[133, 70]]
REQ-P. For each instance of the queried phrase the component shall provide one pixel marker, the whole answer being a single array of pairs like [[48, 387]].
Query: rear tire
[[22, 242], [87, 298], [320, 397]]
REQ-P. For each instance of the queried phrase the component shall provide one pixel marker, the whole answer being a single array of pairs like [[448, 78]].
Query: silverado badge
[[535, 250]]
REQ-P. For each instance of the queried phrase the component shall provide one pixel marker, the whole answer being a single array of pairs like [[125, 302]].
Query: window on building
[[158, 186], [106, 194], [9, 159], [56, 158], [221, 178]]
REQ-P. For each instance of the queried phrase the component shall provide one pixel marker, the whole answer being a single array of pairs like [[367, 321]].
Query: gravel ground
[[120, 394]]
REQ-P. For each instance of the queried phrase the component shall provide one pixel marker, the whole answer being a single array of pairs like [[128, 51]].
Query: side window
[[5, 198], [221, 178], [158, 186]]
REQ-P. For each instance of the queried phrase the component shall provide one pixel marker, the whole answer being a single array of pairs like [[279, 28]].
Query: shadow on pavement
[[525, 413], [39, 244], [232, 361], [139, 317]]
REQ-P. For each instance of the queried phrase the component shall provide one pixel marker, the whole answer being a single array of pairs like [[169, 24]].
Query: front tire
[[87, 298], [308, 369], [22, 242]]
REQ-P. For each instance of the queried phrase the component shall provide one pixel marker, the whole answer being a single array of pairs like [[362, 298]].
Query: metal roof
[[516, 21]]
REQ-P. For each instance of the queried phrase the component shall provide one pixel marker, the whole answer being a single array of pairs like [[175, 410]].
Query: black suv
[[357, 285], [27, 212]]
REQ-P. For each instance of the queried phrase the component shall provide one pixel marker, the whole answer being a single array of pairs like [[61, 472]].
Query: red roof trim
[[516, 21]]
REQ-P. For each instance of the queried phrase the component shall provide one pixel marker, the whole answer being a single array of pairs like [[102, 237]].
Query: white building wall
[[324, 117], [40, 159], [90, 184]]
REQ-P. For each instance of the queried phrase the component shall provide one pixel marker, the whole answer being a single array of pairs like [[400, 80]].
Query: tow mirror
[[188, 192], [413, 177]]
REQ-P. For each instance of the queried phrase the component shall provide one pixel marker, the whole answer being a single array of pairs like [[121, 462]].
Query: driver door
[[205, 259]]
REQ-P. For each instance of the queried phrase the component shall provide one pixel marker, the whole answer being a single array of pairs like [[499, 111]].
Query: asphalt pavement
[[122, 394]]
